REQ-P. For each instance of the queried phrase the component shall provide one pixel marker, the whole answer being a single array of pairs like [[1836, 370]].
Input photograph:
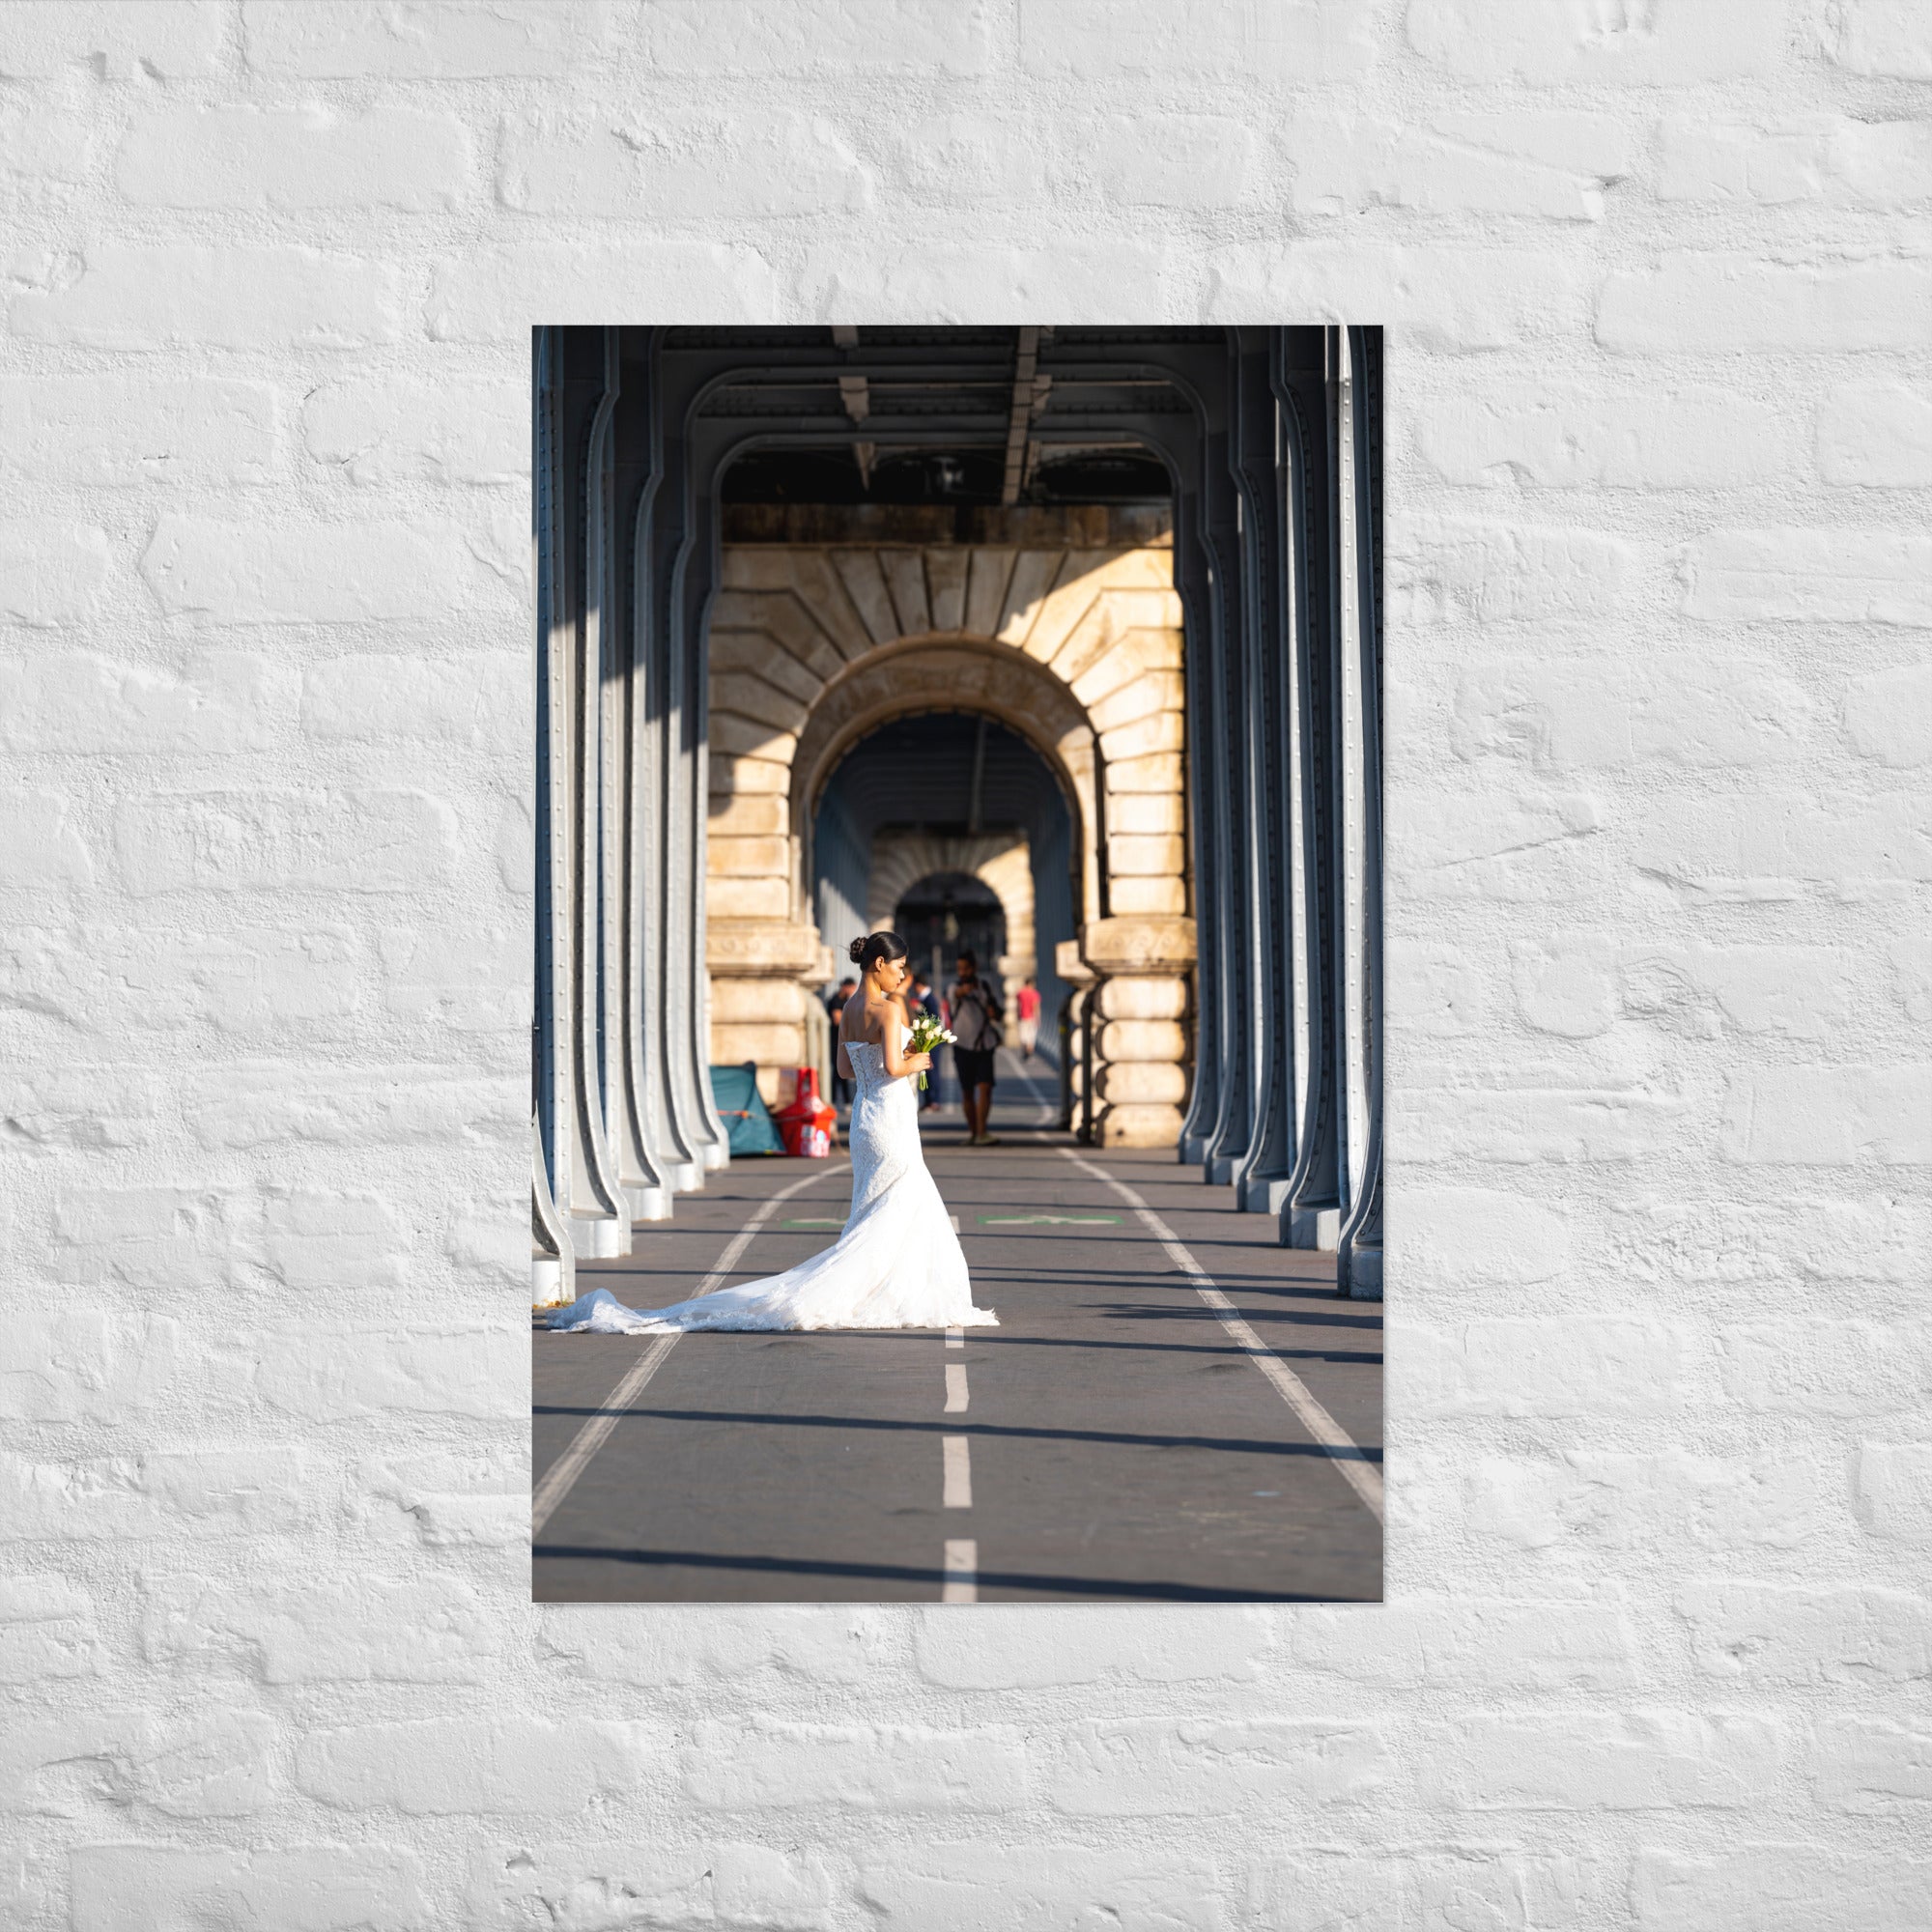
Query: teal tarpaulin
[[734, 1092]]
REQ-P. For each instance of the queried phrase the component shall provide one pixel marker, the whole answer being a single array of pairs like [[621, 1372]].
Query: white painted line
[[1050, 1221], [955, 1338], [955, 1388], [954, 1219], [562, 1474], [958, 1466], [572, 1464], [962, 1572], [1361, 1475]]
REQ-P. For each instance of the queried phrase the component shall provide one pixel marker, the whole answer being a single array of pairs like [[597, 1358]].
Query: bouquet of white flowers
[[926, 1035]]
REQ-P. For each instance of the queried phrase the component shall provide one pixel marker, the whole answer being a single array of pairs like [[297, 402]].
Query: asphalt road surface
[[1182, 1413]]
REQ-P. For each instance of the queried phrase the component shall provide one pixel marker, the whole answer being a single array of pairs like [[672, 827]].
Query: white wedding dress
[[896, 1265]]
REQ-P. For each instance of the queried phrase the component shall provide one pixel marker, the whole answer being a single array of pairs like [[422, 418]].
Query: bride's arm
[[844, 1060], [900, 1063]]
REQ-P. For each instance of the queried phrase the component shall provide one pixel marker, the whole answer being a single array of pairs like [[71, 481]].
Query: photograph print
[[957, 1113]]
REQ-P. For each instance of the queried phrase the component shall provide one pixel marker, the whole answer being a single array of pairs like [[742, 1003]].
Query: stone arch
[[953, 673], [997, 860], [1102, 620], [1001, 861], [1068, 634]]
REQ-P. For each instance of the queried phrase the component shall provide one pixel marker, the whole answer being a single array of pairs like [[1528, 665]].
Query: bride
[[897, 1262]]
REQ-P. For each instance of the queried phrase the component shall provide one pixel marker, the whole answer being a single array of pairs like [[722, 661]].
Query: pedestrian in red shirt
[[1026, 999]]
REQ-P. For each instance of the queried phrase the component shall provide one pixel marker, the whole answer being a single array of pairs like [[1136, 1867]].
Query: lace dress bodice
[[869, 1065], [884, 1133]]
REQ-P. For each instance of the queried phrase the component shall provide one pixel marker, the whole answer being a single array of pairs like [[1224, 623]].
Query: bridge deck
[[1115, 1439]]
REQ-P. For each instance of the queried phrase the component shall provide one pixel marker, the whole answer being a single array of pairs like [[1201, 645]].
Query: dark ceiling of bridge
[[971, 476], [920, 771], [930, 411]]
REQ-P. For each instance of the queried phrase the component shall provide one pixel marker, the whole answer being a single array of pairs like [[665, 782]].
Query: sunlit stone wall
[[1066, 626]]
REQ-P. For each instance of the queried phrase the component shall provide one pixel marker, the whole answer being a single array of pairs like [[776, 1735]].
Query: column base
[[546, 1281], [648, 1203], [1194, 1150], [601, 1236], [714, 1155], [1362, 1274], [1220, 1173], [683, 1177], [1265, 1196], [1316, 1228]]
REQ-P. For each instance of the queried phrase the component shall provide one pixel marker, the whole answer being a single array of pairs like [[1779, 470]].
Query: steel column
[[1311, 1212], [584, 1186], [1236, 965], [678, 968], [617, 478], [1190, 577], [1260, 1175], [1358, 497]]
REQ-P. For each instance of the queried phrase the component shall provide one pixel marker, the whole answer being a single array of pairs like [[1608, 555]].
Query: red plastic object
[[808, 1124]]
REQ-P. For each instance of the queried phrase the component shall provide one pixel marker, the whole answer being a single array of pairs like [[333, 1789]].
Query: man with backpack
[[973, 1018]]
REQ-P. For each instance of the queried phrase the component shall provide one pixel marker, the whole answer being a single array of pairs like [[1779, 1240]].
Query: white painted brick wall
[[1658, 1645]]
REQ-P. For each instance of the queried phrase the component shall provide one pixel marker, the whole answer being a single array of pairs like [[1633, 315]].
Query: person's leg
[[984, 1096], [966, 1065]]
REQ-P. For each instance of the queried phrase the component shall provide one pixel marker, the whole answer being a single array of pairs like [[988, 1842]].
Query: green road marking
[[1048, 1220], [815, 1222]]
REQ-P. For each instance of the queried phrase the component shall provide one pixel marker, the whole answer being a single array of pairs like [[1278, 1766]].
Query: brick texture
[[1659, 1040]]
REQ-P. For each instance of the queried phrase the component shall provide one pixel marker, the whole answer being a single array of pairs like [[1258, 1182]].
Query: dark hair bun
[[874, 946]]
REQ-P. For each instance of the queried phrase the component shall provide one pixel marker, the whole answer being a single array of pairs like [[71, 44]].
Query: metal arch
[[551, 982], [689, 606], [589, 801], [1267, 638], [585, 1185], [646, 1166], [620, 979], [1359, 1251], [675, 1158], [1315, 1188], [1191, 584], [1224, 894], [1180, 441], [691, 563], [1221, 537], [691, 380], [693, 1121]]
